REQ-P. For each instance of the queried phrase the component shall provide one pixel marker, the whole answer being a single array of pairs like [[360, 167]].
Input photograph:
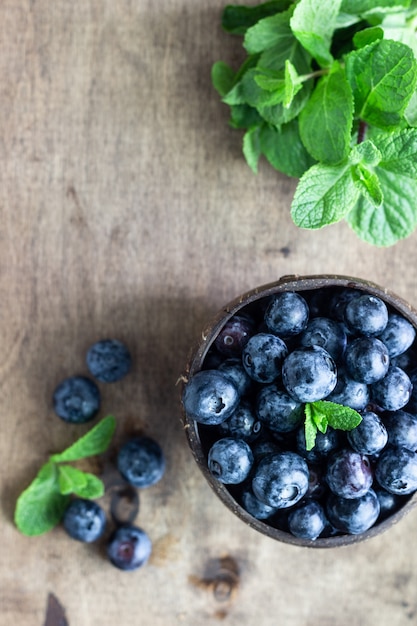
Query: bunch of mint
[[327, 94]]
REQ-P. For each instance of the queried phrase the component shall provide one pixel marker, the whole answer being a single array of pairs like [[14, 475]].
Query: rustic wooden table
[[127, 210]]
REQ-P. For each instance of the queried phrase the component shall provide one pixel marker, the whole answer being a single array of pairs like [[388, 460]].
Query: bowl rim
[[196, 358]]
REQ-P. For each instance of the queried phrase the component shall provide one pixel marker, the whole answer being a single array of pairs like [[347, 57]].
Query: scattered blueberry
[[210, 397], [262, 357], [84, 520], [141, 462], [129, 548], [76, 399], [287, 314], [108, 360], [281, 480], [230, 460], [309, 374], [307, 520]]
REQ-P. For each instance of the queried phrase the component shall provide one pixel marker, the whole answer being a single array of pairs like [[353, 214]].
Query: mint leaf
[[237, 19], [310, 428], [337, 415], [244, 116], [324, 195], [251, 148], [366, 7], [326, 120], [283, 148], [222, 77], [398, 151], [92, 489], [269, 33], [383, 77], [313, 23], [70, 479], [368, 184], [368, 35], [92, 443], [410, 114], [366, 153], [292, 83], [40, 507], [395, 219]]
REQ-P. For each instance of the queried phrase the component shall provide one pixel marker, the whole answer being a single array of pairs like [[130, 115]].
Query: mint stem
[[362, 131]]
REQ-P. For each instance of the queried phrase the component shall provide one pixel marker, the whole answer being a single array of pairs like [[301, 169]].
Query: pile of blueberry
[[271, 359], [140, 460]]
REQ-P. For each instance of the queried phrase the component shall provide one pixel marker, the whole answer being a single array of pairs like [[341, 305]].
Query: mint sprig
[[321, 414], [42, 504], [320, 78]]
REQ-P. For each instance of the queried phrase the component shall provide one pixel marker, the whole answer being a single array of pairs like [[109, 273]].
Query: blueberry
[[388, 502], [76, 399], [393, 391], [309, 374], [307, 520], [325, 444], [242, 424], [281, 480], [255, 507], [353, 516], [210, 397], [396, 471], [367, 360], [108, 360], [84, 520], [402, 429], [277, 409], [141, 462], [349, 392], [366, 315], [326, 333], [398, 335], [230, 460], [233, 368], [263, 447], [234, 336], [262, 357], [370, 436], [287, 314], [129, 548], [349, 474], [339, 299]]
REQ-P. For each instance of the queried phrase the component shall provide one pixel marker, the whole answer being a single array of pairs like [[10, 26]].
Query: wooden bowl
[[196, 434]]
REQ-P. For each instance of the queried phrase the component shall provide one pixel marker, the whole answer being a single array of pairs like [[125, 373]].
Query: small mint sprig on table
[[320, 78], [41, 506], [321, 414]]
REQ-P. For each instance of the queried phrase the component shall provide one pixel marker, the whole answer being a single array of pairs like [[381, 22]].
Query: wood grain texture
[[127, 211]]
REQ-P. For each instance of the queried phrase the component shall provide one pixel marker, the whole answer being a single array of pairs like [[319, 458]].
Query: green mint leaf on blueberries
[[321, 414], [326, 120], [42, 504], [95, 441]]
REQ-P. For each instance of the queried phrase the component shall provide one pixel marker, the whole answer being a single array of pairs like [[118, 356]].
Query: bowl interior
[[200, 437]]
